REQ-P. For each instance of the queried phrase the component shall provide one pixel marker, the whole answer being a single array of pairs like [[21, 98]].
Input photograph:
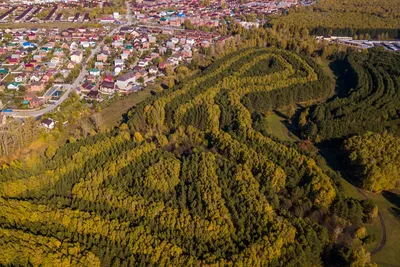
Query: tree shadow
[[293, 130], [280, 114], [336, 158], [395, 212], [344, 81], [392, 198]]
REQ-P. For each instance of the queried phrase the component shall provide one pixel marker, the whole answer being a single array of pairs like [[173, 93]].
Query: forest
[[375, 158], [191, 178], [371, 101], [369, 19]]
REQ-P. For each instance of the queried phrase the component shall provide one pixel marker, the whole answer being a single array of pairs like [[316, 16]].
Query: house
[[124, 56], [35, 77], [13, 86], [117, 70], [2, 86], [31, 36], [3, 71], [117, 44], [137, 88], [190, 41], [13, 61], [108, 78], [47, 76], [73, 46], [70, 65], [107, 87], [36, 102], [33, 100], [87, 86], [49, 123], [95, 72], [118, 62], [142, 63], [29, 67], [107, 20], [59, 52], [38, 58], [102, 57], [153, 70], [20, 78], [95, 95], [99, 65], [51, 65], [55, 60], [77, 57], [37, 87], [27, 45], [125, 82]]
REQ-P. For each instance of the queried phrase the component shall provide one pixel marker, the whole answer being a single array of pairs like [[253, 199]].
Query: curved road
[[71, 87]]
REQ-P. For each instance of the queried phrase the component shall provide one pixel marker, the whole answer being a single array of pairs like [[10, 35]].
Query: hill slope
[[190, 179]]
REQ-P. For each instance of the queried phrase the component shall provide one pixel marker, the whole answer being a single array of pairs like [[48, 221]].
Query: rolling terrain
[[191, 178]]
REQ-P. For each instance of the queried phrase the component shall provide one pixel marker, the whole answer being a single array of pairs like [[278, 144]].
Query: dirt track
[[382, 243]]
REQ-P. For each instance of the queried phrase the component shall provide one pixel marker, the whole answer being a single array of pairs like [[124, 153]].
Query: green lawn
[[276, 126], [390, 254], [351, 191], [112, 114], [324, 63]]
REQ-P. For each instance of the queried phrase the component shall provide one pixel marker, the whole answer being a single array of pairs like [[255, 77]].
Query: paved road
[[79, 79], [70, 88], [128, 13]]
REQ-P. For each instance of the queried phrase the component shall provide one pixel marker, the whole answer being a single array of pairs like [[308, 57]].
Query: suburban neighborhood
[[107, 50]]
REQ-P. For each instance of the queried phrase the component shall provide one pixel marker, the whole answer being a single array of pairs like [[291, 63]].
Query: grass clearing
[[324, 63], [351, 191], [112, 114], [390, 254], [277, 128]]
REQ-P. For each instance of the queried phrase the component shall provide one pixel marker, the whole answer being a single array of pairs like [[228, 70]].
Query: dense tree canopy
[[192, 178], [346, 18], [376, 157], [371, 103]]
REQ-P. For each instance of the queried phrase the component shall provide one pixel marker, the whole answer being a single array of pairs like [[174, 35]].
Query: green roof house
[[94, 72], [13, 86]]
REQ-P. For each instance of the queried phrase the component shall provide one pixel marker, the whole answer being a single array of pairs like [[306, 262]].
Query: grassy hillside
[[193, 178]]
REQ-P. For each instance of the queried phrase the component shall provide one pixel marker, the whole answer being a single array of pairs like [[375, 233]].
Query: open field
[[277, 128], [390, 254], [112, 114]]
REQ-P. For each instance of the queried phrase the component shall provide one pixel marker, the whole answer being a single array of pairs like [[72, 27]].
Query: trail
[[338, 166], [382, 243]]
